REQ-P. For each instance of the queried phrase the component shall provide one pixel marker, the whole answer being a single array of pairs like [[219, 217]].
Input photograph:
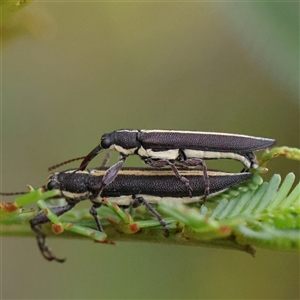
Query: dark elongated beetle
[[160, 148], [133, 186]]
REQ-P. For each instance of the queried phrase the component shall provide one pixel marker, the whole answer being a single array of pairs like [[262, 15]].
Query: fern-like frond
[[267, 216]]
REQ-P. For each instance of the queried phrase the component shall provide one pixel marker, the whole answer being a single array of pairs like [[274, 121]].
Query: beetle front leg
[[137, 201], [106, 158], [164, 162], [40, 219], [109, 177]]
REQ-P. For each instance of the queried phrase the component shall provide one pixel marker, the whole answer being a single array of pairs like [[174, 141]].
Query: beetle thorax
[[124, 141]]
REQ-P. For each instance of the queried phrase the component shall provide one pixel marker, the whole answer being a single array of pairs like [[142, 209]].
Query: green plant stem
[[149, 235]]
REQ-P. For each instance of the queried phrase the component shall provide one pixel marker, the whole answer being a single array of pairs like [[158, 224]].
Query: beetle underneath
[[133, 186]]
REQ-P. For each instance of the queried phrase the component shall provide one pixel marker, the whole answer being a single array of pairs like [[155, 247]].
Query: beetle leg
[[106, 158], [94, 213], [137, 201], [252, 159], [194, 162], [164, 162], [109, 177], [40, 219]]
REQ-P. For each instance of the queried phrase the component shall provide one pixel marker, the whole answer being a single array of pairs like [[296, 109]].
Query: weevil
[[160, 148], [133, 186]]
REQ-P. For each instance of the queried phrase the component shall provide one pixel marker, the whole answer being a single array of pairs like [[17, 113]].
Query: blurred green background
[[72, 71]]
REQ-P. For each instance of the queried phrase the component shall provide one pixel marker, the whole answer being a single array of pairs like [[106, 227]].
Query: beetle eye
[[105, 143], [52, 185]]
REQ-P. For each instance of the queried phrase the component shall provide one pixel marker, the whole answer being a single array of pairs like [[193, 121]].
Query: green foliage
[[267, 217], [290, 153], [16, 22]]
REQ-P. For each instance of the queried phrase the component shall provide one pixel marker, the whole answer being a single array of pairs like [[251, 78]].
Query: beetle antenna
[[13, 194], [65, 162]]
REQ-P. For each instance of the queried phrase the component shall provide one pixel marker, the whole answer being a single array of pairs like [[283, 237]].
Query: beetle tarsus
[[44, 248], [40, 219], [94, 213], [137, 201]]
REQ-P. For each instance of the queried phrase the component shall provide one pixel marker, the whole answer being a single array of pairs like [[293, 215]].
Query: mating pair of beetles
[[181, 151]]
